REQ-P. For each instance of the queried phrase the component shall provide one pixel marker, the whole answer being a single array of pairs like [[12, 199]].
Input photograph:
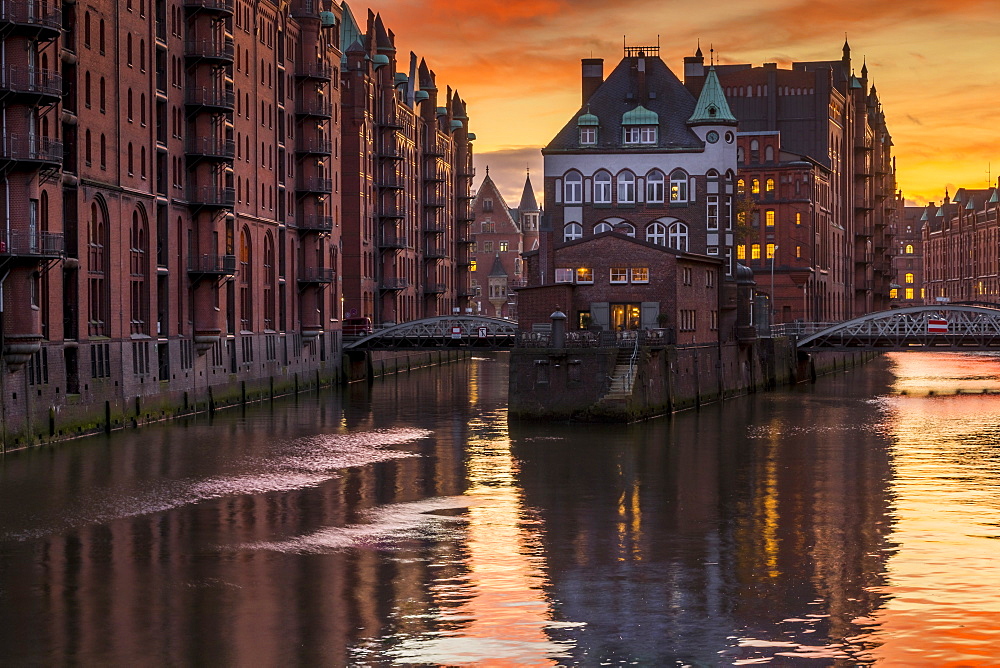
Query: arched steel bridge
[[913, 328], [441, 332]]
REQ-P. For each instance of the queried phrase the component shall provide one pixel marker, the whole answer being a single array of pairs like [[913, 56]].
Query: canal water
[[851, 522]]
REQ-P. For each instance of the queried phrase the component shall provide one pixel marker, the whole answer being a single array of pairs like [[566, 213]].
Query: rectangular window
[[769, 218], [712, 250], [909, 293], [487, 246], [487, 205], [619, 274], [647, 135], [770, 251], [631, 135], [755, 252], [564, 275], [588, 135], [504, 246], [640, 274], [713, 212], [798, 216], [687, 275], [710, 278], [798, 252], [741, 252], [584, 275]]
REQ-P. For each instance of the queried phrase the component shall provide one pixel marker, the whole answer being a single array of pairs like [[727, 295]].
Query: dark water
[[852, 522]]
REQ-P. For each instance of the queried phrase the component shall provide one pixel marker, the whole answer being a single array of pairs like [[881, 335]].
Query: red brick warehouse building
[[175, 172]]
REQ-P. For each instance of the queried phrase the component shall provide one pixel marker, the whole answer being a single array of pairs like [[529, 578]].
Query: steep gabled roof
[[528, 200], [501, 213], [497, 271], [712, 107], [620, 93]]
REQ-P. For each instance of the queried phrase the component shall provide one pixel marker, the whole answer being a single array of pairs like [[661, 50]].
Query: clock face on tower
[[712, 137]]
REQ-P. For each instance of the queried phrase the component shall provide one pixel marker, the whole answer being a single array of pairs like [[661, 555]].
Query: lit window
[[602, 188], [619, 274], [741, 252], [678, 186], [894, 293], [909, 249], [798, 219], [909, 278], [584, 275], [755, 252], [564, 275], [769, 185], [472, 266], [798, 252], [504, 246], [769, 218], [741, 186], [770, 251], [755, 186], [909, 293], [640, 274]]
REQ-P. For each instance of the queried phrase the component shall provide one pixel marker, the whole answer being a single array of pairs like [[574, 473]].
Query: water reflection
[[852, 522]]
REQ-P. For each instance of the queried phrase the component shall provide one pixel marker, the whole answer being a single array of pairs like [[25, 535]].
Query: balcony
[[434, 174], [433, 227], [30, 149], [392, 121], [435, 253], [313, 185], [315, 275], [389, 284], [391, 211], [390, 153], [315, 224], [42, 20], [318, 108], [434, 288], [221, 51], [212, 265], [32, 82], [217, 6], [391, 183], [211, 197], [310, 145], [393, 242], [214, 97], [211, 147], [435, 149], [314, 70], [32, 245]]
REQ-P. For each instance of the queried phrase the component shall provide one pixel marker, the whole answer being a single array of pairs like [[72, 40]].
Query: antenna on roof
[[711, 55]]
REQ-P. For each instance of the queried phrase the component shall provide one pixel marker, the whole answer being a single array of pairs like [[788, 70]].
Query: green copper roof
[[639, 116], [994, 198], [924, 217], [970, 206], [590, 119], [712, 107], [855, 83]]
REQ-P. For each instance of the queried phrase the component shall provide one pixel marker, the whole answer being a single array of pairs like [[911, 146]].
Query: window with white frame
[[712, 212], [602, 226], [639, 134], [588, 135], [572, 231], [564, 275], [602, 188], [678, 186], [655, 187], [640, 274], [619, 275], [626, 188], [677, 236], [628, 228], [584, 274], [656, 233], [573, 188]]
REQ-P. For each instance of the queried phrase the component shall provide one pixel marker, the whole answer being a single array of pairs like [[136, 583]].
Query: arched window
[[98, 310], [142, 55], [142, 110], [754, 150], [656, 233], [755, 186], [739, 154], [88, 148], [909, 249], [769, 186], [573, 192], [908, 278], [142, 162], [678, 186], [100, 36], [86, 89], [104, 151], [655, 187], [103, 91], [86, 30], [138, 267], [130, 159], [769, 154], [626, 188], [128, 105], [741, 186], [246, 282], [572, 231], [128, 49], [602, 227], [677, 236], [602, 188]]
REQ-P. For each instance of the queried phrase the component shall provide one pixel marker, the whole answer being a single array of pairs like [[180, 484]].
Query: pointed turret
[[712, 108], [528, 201]]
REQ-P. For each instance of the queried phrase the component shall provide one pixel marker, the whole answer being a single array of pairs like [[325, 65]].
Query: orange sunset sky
[[935, 64]]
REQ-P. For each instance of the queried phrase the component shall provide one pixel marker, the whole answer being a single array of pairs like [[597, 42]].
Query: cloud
[[507, 168]]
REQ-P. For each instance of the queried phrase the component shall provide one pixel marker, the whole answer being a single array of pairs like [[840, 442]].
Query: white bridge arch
[[914, 328], [441, 331]]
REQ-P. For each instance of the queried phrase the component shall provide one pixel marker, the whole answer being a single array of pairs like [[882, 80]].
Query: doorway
[[625, 316]]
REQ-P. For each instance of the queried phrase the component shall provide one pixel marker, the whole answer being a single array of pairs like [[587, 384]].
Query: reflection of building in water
[[673, 536]]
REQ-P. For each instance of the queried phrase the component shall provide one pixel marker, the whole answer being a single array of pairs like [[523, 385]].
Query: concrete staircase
[[621, 382]]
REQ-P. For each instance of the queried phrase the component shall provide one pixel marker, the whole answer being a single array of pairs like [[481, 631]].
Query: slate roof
[[528, 200], [669, 99]]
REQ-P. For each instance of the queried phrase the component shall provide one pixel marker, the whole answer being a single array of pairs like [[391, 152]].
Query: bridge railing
[[798, 329]]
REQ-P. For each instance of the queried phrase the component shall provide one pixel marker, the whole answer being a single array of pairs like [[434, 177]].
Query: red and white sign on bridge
[[937, 326]]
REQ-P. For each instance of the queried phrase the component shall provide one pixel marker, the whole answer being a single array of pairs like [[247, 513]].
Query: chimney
[[593, 76]]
